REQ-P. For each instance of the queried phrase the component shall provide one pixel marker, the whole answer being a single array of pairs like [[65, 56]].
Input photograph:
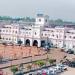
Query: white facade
[[39, 34]]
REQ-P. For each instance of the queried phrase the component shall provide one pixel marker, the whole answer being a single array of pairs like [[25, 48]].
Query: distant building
[[39, 34]]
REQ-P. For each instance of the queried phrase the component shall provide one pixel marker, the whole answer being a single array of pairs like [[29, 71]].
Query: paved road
[[71, 71]]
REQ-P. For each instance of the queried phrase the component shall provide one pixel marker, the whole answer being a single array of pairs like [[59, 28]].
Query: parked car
[[62, 67], [45, 72], [19, 74], [39, 72], [31, 74], [70, 51], [52, 71], [72, 64], [58, 69]]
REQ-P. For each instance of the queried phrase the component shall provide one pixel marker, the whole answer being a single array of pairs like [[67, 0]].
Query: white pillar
[[39, 43], [31, 42]]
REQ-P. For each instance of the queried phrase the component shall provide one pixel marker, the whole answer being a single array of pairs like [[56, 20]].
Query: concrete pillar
[[39, 43], [31, 42]]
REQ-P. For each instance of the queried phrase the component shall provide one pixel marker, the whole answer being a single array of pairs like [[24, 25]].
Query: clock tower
[[42, 20]]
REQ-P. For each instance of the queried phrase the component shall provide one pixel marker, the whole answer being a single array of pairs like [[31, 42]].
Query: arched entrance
[[35, 43], [28, 42], [42, 43]]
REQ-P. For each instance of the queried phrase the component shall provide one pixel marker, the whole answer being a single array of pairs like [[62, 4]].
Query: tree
[[14, 69], [5, 18], [52, 61], [59, 21], [40, 63]]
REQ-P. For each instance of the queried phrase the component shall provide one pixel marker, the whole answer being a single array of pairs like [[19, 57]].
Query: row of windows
[[11, 27], [42, 34], [28, 29], [41, 20], [66, 45], [57, 36], [9, 31], [8, 39], [70, 37], [28, 33], [51, 35], [24, 32]]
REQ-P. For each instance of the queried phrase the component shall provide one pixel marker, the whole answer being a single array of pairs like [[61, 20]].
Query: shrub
[[52, 61], [40, 63], [14, 69]]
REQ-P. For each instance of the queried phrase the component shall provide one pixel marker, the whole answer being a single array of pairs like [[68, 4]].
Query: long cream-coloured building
[[39, 34]]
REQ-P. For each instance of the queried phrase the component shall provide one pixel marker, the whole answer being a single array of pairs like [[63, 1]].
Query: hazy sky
[[64, 9]]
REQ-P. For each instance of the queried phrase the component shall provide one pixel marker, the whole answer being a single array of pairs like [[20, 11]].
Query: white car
[[63, 67], [58, 69], [39, 72], [52, 71]]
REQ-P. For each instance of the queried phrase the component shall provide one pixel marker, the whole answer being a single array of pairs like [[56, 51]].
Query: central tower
[[42, 20]]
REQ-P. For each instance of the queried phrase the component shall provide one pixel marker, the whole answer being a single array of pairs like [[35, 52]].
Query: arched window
[[35, 43], [28, 42], [39, 20]]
